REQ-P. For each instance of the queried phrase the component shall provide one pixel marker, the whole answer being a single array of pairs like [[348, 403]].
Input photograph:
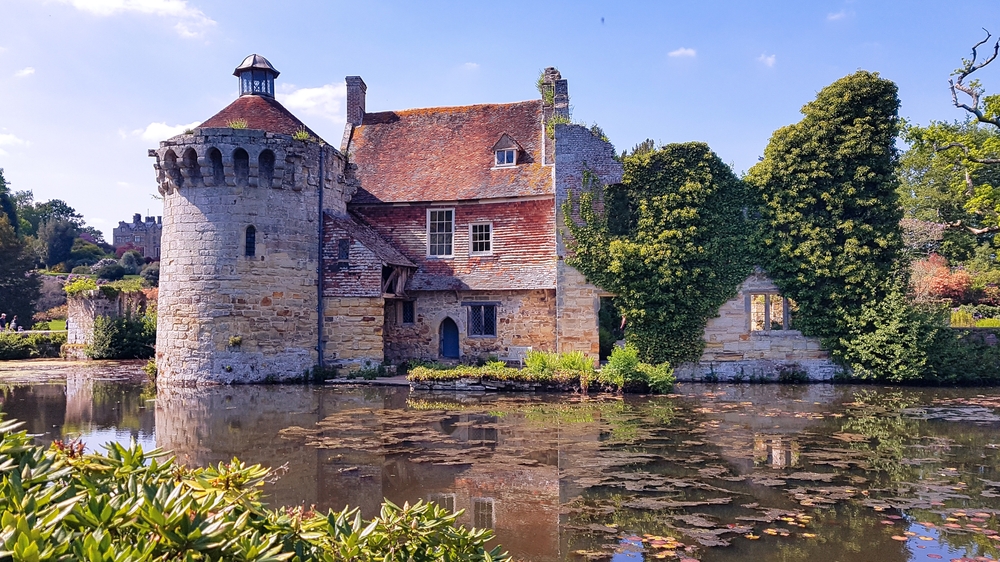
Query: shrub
[[660, 378], [81, 270], [151, 274], [125, 337], [14, 345], [112, 272], [128, 504], [81, 285], [622, 367]]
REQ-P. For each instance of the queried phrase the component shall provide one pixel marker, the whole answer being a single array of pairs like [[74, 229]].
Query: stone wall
[[211, 292], [524, 319], [734, 351], [83, 309], [352, 331], [578, 154]]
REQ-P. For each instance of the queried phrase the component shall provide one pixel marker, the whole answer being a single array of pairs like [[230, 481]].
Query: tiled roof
[[445, 154], [370, 239], [261, 112]]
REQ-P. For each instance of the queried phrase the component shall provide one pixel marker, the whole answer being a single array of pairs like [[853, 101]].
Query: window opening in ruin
[[409, 312], [482, 513], [446, 501], [218, 170], [770, 311], [241, 167], [265, 168], [481, 239], [506, 157], [191, 164], [440, 232], [482, 320], [170, 162], [251, 242]]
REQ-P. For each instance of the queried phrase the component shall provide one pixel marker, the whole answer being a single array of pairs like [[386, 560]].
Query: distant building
[[143, 235]]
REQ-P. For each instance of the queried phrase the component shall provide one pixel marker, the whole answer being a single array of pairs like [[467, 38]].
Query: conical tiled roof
[[260, 112]]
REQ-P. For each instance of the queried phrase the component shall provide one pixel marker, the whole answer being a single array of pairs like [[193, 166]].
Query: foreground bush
[[14, 345], [128, 505], [125, 337], [626, 372]]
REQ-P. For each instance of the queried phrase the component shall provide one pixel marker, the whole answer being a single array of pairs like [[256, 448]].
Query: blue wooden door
[[449, 338]]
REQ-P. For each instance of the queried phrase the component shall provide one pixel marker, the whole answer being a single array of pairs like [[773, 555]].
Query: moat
[[711, 473]]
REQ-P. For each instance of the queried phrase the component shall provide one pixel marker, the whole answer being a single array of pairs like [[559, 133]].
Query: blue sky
[[87, 86]]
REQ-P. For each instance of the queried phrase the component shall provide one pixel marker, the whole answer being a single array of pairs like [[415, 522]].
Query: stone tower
[[239, 271]]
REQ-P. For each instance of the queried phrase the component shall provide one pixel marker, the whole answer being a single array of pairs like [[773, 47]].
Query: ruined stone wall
[[735, 351], [212, 292], [578, 154], [524, 319], [82, 310], [352, 331]]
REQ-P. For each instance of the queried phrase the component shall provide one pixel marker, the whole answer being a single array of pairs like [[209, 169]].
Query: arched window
[[241, 166], [191, 164], [218, 171], [251, 243], [265, 168], [170, 162]]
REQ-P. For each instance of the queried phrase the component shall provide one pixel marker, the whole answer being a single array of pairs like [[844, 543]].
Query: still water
[[712, 473]]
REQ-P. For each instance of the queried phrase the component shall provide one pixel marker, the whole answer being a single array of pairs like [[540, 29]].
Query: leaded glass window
[[409, 312], [483, 320], [251, 242], [482, 513]]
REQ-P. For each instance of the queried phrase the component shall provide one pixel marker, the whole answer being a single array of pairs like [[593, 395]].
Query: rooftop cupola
[[256, 76]]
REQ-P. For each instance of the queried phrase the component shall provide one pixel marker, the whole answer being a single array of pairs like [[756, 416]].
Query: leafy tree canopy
[[33, 215], [7, 205], [828, 203], [670, 241], [18, 286]]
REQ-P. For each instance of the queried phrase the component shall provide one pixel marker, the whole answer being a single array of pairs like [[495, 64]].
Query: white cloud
[[682, 52], [26, 71], [470, 66], [155, 132], [9, 139], [192, 22], [768, 60], [838, 15], [327, 102]]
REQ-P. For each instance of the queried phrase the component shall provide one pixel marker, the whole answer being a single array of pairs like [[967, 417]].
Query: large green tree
[[830, 212], [7, 206], [670, 241], [57, 236], [18, 285], [33, 215]]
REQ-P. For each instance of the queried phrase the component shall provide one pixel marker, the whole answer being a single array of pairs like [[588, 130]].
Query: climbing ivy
[[830, 214], [671, 241]]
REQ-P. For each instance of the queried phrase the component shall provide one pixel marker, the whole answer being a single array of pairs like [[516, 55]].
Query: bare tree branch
[[972, 90], [968, 156], [972, 229]]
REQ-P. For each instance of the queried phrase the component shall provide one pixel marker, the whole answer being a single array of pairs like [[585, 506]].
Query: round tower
[[240, 249]]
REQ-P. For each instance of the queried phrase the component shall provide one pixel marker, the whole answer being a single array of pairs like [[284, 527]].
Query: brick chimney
[[356, 90], [137, 218]]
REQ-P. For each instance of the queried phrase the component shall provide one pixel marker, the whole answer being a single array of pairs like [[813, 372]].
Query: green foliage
[[150, 369], [573, 368], [302, 135], [57, 236], [7, 205], [672, 245], [19, 287], [129, 505], [151, 274], [556, 119], [830, 213], [237, 124], [80, 285], [546, 89], [124, 337], [33, 215], [16, 345], [130, 262], [626, 372], [110, 272]]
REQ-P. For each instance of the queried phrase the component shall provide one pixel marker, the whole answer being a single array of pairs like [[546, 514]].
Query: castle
[[430, 234]]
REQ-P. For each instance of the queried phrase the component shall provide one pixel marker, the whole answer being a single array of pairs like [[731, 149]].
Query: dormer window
[[505, 152], [506, 157]]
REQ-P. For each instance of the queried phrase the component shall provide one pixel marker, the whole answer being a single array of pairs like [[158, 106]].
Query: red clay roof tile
[[262, 113], [445, 154]]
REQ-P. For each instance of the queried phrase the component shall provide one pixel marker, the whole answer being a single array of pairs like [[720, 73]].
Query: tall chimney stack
[[356, 90]]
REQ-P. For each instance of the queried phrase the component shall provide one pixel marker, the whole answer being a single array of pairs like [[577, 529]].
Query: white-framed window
[[481, 238], [138, 238], [506, 157], [482, 320], [482, 513], [441, 232]]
